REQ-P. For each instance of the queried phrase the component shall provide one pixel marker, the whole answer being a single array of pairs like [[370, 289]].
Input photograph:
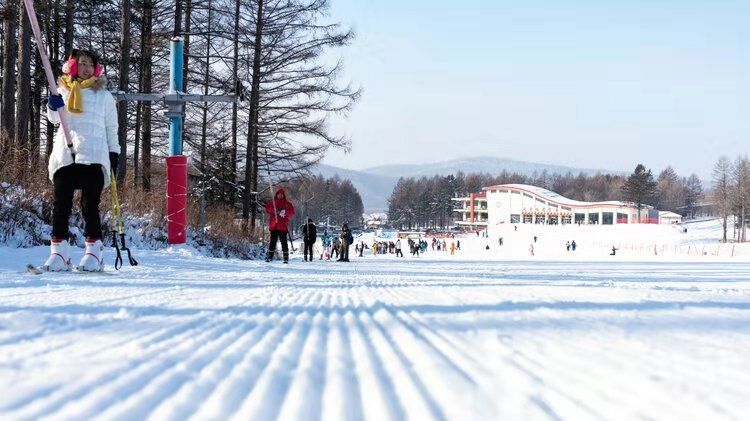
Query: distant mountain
[[374, 189], [376, 184], [479, 164]]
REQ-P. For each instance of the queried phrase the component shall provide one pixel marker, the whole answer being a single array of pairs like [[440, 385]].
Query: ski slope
[[183, 336]]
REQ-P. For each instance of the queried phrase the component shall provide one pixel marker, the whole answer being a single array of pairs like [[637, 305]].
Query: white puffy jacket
[[94, 133]]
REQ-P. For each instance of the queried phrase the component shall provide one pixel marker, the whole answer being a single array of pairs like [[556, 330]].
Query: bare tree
[[10, 55], [124, 82], [742, 194], [23, 82], [722, 174]]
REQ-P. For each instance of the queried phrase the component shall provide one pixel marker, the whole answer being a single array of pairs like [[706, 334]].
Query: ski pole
[[29, 5], [117, 215]]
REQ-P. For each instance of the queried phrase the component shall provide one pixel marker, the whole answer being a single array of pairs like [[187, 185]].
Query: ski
[[39, 270]]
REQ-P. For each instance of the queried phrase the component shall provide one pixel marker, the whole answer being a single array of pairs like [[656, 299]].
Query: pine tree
[[639, 188]]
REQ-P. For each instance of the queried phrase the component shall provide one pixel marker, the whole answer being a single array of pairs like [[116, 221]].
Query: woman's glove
[[55, 102], [114, 160]]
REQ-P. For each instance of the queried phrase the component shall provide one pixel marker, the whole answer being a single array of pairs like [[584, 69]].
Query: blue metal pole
[[175, 84]]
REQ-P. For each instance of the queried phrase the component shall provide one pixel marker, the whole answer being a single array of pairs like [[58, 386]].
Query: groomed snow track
[[188, 337]]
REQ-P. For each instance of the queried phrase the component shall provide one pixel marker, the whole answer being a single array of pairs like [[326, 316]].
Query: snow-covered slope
[[431, 337]]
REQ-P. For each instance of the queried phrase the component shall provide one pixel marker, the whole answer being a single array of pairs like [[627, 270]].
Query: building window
[[539, 219], [607, 218], [528, 195], [565, 220], [527, 219], [580, 218], [541, 201], [593, 218], [622, 218], [515, 219], [515, 192]]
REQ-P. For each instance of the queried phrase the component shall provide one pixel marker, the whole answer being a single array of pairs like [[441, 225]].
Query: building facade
[[525, 204], [471, 212]]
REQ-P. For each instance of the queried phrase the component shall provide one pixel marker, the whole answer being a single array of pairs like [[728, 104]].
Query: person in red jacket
[[279, 211]]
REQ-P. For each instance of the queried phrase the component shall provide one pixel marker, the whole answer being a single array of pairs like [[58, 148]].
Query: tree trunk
[[23, 81], [236, 83], [55, 57], [177, 18], [36, 99], [206, 75], [69, 12], [251, 167], [10, 54], [122, 106], [147, 52], [186, 48]]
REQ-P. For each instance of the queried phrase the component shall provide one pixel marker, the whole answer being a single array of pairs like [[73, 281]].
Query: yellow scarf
[[74, 103]]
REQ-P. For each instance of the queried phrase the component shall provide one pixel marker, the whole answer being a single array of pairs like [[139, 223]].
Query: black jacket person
[[309, 236], [346, 240]]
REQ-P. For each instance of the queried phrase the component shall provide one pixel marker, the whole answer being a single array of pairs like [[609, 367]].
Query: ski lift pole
[[175, 101], [29, 6], [176, 161]]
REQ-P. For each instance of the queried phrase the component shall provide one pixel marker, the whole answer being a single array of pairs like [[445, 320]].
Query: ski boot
[[59, 257], [92, 260], [286, 258]]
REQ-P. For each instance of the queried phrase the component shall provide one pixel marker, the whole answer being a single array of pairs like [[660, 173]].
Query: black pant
[[309, 249], [278, 235], [90, 180], [344, 252], [398, 253]]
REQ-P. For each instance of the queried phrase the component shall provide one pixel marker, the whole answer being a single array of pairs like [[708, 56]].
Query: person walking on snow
[[573, 245], [309, 237], [92, 123], [453, 248], [280, 211], [398, 248], [326, 244], [346, 240]]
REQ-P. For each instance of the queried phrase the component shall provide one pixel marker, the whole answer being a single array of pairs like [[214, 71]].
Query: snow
[[481, 335]]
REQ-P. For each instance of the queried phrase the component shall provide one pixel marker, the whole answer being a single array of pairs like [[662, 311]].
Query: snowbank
[[24, 223]]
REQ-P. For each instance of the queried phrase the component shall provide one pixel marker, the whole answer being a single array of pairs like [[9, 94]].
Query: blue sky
[[602, 84]]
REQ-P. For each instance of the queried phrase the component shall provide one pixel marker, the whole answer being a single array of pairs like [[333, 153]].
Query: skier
[[361, 248], [280, 211], [531, 249], [458, 244], [535, 238], [346, 240], [326, 244], [453, 248], [92, 120], [567, 246], [309, 236], [573, 245], [398, 248], [500, 241], [614, 251]]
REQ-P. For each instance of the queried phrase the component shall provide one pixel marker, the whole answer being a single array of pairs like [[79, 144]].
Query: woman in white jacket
[[92, 119]]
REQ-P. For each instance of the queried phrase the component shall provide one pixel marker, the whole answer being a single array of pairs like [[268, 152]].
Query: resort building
[[525, 204]]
